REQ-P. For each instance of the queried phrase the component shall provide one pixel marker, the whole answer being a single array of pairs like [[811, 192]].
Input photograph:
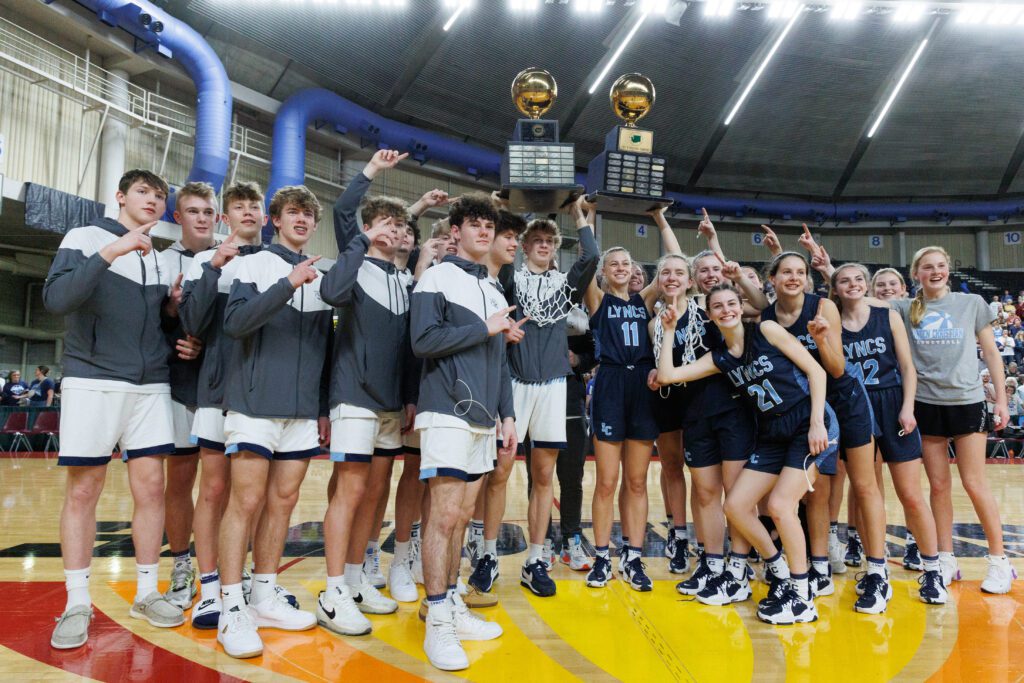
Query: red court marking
[[289, 565], [112, 653]]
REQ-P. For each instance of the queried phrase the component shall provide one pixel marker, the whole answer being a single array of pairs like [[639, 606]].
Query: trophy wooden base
[[541, 199], [625, 204]]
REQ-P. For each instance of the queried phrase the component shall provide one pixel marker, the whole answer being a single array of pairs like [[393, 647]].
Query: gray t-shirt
[[944, 347]]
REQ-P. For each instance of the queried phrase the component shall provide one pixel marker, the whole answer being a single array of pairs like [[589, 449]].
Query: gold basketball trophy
[[629, 178], [538, 173]]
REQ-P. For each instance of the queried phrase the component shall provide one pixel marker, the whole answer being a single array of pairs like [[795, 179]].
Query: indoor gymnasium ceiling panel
[[956, 123], [465, 86], [801, 123], [693, 67], [361, 50]]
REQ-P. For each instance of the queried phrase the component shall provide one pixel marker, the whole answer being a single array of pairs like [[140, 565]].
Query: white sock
[[491, 547], [820, 566], [717, 564], [803, 588], [780, 568], [401, 552], [262, 587], [209, 585], [77, 583], [536, 553], [232, 596], [415, 532], [353, 574], [737, 567], [145, 579], [335, 582]]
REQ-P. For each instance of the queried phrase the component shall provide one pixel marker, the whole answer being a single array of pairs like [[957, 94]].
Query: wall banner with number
[[876, 241], [1012, 239]]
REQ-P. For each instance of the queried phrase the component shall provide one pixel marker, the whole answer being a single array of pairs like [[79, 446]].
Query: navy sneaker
[[600, 573], [635, 574], [821, 584], [854, 552], [680, 562], [788, 608], [912, 557], [724, 589], [485, 574], [876, 596], [535, 577], [670, 545], [697, 580], [932, 591]]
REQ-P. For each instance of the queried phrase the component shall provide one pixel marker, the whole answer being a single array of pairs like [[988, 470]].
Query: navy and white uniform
[[539, 364], [116, 387], [277, 376], [204, 297], [872, 352], [465, 387], [778, 390], [623, 406], [846, 394], [716, 426]]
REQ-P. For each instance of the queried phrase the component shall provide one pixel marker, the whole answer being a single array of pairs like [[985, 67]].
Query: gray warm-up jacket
[[279, 367], [465, 371], [203, 300], [112, 310]]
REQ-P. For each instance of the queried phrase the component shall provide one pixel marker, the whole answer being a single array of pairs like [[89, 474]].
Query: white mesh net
[[545, 297], [691, 338]]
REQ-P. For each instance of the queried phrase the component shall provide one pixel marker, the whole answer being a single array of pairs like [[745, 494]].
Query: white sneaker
[[1000, 575], [836, 554], [337, 611], [469, 625], [276, 612], [371, 567], [370, 600], [441, 644], [415, 560], [575, 556], [948, 568], [401, 584], [549, 557], [237, 634]]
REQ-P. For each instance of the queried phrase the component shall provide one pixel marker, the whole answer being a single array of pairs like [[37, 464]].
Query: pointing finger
[[519, 323], [401, 156], [705, 213], [807, 231], [177, 282], [145, 227], [310, 261]]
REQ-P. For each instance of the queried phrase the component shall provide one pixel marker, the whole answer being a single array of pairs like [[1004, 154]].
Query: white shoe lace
[[240, 620], [401, 574], [445, 635], [371, 566], [344, 604], [370, 593]]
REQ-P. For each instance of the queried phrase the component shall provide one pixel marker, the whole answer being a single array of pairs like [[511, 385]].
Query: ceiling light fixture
[[782, 9], [588, 6], [1004, 15], [908, 12], [899, 86], [763, 65], [846, 11], [718, 8], [618, 52]]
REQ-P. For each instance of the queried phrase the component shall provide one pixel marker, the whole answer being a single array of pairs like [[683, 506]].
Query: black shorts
[[622, 405], [669, 410], [853, 409], [782, 442], [731, 435], [887, 404], [950, 420]]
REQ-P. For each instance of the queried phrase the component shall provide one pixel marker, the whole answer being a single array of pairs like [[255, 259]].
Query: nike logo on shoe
[[330, 613]]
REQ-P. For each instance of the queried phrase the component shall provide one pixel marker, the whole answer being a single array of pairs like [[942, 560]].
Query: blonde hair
[[917, 306], [604, 257], [887, 271], [689, 271], [832, 294], [441, 228], [545, 226], [199, 189]]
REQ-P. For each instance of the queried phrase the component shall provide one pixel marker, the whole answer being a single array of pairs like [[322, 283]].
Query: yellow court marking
[[502, 659], [649, 636], [867, 647]]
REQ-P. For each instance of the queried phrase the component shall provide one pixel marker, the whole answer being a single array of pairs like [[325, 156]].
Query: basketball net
[[545, 297], [693, 335]]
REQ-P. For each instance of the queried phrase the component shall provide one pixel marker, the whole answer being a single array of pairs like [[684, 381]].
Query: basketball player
[[275, 421], [112, 289], [203, 300], [457, 323]]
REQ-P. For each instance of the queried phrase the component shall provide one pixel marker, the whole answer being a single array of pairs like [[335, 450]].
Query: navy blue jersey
[[711, 395], [765, 376], [620, 332], [872, 352], [799, 330]]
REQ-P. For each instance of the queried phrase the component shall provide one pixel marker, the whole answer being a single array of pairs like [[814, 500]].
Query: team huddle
[[241, 361]]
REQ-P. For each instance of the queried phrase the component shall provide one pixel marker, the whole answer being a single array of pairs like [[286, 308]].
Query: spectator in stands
[[964, 287], [1009, 345], [42, 389], [1013, 400], [995, 306], [1018, 340], [1013, 370], [1020, 306], [1020, 402], [990, 396], [1007, 297], [14, 389]]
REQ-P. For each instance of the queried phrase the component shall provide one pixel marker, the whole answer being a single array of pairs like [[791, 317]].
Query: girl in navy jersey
[[796, 438], [945, 329], [816, 323], [622, 405], [875, 340]]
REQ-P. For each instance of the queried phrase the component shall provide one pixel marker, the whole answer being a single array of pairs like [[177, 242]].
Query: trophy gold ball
[[632, 96], [534, 91]]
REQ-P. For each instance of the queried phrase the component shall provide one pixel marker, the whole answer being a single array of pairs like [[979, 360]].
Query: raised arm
[[826, 329], [346, 209], [771, 241], [592, 295], [908, 372], [668, 373], [585, 268], [817, 436], [337, 285], [707, 230], [754, 296]]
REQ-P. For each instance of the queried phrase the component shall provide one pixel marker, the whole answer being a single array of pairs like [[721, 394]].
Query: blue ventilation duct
[[308, 106], [177, 40]]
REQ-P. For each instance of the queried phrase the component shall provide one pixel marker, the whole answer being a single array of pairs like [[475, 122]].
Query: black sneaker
[[680, 562], [724, 589], [697, 580], [912, 558], [821, 584], [789, 608], [776, 585], [670, 544], [854, 552], [535, 577], [876, 596], [485, 574], [635, 574], [600, 573], [932, 591]]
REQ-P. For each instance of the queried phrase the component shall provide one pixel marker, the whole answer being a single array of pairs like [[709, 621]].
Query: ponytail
[[917, 308]]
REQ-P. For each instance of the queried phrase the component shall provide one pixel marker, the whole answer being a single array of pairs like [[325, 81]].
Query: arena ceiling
[[955, 129]]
